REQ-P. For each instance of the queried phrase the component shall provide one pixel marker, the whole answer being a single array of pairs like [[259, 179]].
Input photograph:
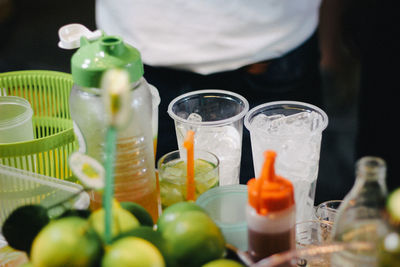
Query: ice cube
[[194, 117]]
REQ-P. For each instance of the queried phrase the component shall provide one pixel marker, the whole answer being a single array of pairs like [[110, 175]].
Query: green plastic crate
[[54, 139]]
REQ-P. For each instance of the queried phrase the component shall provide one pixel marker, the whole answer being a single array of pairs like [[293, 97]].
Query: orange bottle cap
[[270, 192]]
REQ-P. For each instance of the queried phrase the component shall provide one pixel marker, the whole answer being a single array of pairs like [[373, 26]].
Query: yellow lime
[[223, 263], [132, 252], [154, 237], [173, 180], [88, 170], [68, 241], [139, 212], [393, 206], [122, 221], [171, 213], [194, 239]]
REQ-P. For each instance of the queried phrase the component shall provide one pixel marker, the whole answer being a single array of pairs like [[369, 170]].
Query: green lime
[[139, 212], [68, 241], [122, 221], [173, 180], [23, 224], [171, 213], [132, 252], [223, 263], [393, 205], [194, 239]]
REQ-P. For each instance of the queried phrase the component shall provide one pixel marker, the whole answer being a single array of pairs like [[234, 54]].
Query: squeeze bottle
[[270, 213]]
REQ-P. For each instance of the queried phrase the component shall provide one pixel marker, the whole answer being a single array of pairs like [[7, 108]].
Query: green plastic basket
[[54, 139]]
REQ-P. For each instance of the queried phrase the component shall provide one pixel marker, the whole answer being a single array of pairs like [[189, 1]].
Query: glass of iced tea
[[172, 173]]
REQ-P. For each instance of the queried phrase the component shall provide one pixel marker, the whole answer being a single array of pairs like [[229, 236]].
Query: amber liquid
[[134, 179], [262, 245]]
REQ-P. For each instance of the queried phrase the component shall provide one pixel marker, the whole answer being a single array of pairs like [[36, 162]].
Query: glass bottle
[[360, 216]]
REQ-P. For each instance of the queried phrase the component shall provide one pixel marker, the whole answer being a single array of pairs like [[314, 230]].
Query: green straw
[[110, 149]]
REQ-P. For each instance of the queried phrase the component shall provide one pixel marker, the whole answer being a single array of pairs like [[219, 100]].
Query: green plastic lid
[[94, 58]]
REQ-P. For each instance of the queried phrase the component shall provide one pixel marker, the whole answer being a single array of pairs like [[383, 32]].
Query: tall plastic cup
[[216, 116], [294, 131], [15, 119]]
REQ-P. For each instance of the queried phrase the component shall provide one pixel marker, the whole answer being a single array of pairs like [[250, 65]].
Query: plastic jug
[[135, 178]]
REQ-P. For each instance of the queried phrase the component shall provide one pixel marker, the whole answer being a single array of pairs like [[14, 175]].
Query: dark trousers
[[294, 76]]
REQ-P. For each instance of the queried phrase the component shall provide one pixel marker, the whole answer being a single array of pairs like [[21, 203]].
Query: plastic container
[[19, 187], [294, 131], [134, 175], [227, 207], [54, 139], [217, 118], [271, 213], [15, 119]]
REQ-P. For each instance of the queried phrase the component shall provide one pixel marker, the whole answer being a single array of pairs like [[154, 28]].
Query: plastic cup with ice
[[294, 131], [216, 117]]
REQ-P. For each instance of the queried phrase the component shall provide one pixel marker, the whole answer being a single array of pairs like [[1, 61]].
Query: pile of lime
[[184, 235]]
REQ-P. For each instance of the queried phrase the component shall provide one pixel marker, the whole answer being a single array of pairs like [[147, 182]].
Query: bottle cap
[[98, 53], [270, 192]]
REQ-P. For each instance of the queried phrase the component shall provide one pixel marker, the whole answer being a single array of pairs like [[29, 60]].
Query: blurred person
[[265, 50]]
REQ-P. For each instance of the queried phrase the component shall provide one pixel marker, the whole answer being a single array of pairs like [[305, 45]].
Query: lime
[[23, 224], [393, 206], [68, 241], [154, 237], [173, 180], [172, 212], [223, 263], [88, 170], [122, 221], [194, 239], [139, 212], [132, 251]]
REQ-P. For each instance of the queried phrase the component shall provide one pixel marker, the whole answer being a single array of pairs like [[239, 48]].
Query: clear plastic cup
[[216, 116], [227, 207], [294, 131], [172, 174], [15, 119]]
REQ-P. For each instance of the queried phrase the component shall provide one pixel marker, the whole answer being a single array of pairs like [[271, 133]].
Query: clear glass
[[217, 118], [135, 178], [360, 216], [327, 211], [294, 131], [172, 173]]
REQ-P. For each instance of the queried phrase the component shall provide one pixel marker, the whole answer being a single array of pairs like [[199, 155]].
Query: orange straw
[[190, 184]]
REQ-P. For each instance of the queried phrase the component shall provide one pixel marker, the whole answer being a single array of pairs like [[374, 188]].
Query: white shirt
[[207, 36]]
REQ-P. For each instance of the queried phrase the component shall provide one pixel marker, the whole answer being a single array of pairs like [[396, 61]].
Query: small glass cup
[[327, 211], [172, 173], [312, 232]]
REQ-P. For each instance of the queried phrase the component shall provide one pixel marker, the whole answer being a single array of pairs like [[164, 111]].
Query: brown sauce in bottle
[[262, 245]]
